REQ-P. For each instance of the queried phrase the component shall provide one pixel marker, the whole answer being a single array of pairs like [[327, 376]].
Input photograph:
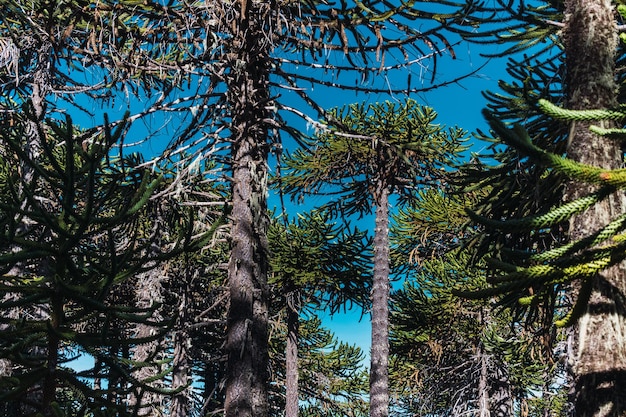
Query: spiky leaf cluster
[[514, 186], [396, 144], [333, 381], [579, 260], [435, 336], [325, 262]]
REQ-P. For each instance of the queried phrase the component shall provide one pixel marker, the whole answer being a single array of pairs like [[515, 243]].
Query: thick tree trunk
[[291, 356], [379, 372], [248, 96], [599, 364]]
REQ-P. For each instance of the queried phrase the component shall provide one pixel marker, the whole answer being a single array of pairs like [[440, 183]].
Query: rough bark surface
[[379, 373], [148, 290], [247, 333], [291, 355], [599, 361], [483, 387], [181, 401]]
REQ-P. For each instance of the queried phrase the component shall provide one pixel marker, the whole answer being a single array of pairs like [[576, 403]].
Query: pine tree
[[334, 382], [367, 154], [84, 238], [453, 355], [315, 263]]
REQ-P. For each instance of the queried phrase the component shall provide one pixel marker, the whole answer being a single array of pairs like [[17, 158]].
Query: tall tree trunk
[[483, 382], [148, 290], [291, 355], [590, 42], [379, 369], [248, 96]]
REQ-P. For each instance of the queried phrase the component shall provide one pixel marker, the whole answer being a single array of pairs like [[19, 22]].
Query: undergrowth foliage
[[71, 235]]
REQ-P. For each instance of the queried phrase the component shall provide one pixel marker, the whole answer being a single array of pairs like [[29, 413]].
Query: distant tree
[[366, 154], [334, 382], [315, 263]]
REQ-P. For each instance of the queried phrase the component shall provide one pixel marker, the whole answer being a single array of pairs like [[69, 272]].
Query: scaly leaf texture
[[562, 263]]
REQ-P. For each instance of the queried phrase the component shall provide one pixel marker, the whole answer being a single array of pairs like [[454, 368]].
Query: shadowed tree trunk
[[590, 41], [248, 96]]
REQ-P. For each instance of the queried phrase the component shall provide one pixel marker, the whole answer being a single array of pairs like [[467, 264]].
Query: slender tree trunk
[[291, 355], [590, 42], [379, 369], [483, 383], [248, 96]]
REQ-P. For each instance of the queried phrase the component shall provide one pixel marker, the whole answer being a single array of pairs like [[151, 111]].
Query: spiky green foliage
[[545, 270], [398, 143], [453, 355], [515, 186], [328, 264], [98, 48], [429, 227], [71, 236], [334, 382], [435, 337], [315, 264]]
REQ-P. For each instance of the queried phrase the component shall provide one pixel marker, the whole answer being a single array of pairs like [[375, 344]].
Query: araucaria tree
[[252, 52], [569, 253], [364, 155], [237, 58], [315, 263]]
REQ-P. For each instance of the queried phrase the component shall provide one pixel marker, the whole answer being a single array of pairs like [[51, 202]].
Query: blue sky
[[458, 104]]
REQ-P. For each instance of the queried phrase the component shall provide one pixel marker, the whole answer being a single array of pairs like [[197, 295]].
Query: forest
[[183, 184]]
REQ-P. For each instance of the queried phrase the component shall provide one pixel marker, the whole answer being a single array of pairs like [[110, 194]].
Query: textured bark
[[181, 403], [379, 372], [148, 290], [248, 96], [599, 361], [483, 383], [500, 392], [291, 356]]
